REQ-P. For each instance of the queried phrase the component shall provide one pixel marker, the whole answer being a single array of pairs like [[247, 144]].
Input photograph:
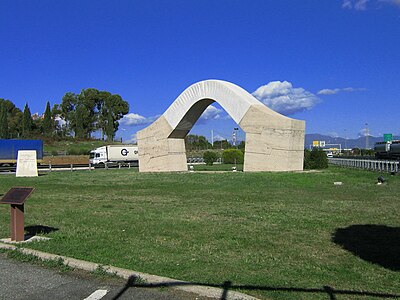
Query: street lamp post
[[234, 136]]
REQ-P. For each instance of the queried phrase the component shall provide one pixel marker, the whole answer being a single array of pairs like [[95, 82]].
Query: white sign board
[[27, 163]]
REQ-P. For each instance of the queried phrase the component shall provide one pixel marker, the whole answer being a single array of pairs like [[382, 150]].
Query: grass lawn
[[275, 235], [217, 167]]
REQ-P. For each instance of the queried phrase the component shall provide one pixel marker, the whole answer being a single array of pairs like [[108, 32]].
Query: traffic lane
[[27, 281]]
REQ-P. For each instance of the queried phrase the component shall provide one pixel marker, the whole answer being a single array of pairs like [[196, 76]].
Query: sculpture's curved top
[[235, 100]]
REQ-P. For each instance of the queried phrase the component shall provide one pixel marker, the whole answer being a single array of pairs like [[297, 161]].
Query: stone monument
[[273, 142], [27, 163]]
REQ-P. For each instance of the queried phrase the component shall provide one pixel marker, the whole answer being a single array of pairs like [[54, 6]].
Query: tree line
[[195, 142], [78, 115]]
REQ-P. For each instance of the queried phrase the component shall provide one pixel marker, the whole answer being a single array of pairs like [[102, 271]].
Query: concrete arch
[[273, 142]]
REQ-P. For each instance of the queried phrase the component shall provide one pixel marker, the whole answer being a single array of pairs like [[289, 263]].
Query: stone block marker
[[27, 164], [273, 142]]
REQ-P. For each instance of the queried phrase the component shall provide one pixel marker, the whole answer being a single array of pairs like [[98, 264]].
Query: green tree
[[210, 157], [14, 118], [111, 108], [48, 126], [88, 101], [59, 123], [27, 123], [79, 122], [3, 121], [315, 159], [79, 113], [68, 108], [233, 156], [109, 130], [222, 144], [197, 142], [97, 110]]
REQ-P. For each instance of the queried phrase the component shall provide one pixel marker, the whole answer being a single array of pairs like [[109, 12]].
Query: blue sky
[[333, 63]]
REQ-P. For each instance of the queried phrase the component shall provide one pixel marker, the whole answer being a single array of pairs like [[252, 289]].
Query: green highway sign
[[387, 137]]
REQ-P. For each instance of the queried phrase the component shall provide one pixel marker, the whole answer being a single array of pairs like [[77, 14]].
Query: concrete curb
[[151, 280]]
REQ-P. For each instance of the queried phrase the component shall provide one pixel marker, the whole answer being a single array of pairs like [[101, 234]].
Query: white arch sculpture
[[273, 142]]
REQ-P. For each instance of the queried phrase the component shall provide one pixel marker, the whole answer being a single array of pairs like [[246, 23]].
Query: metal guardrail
[[73, 167], [200, 160], [388, 166]]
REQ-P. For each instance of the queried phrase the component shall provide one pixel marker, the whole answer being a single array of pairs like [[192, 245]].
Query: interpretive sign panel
[[27, 163], [17, 195]]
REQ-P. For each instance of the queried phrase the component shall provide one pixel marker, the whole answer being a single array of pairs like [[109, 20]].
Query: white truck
[[114, 154]]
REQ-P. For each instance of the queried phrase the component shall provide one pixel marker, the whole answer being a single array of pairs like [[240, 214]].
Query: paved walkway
[[175, 288], [27, 281]]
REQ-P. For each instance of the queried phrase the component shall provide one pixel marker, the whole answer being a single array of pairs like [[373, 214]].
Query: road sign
[[387, 137]]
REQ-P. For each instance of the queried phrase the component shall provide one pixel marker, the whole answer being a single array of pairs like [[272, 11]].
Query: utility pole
[[212, 137], [234, 136]]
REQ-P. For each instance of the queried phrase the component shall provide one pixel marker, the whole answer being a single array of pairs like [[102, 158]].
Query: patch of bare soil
[[67, 159]]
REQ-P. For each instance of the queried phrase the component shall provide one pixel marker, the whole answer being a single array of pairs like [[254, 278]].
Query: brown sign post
[[16, 197]]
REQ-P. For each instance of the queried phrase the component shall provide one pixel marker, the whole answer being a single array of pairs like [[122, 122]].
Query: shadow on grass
[[227, 286], [38, 229], [378, 244]]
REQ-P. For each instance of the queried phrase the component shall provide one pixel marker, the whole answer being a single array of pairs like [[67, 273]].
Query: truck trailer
[[9, 150], [114, 154]]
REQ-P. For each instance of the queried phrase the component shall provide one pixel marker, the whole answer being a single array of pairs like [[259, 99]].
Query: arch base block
[[158, 153]]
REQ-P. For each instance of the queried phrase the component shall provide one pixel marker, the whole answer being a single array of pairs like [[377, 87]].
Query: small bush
[[209, 157], [72, 151], [54, 153], [84, 151], [78, 151], [315, 159], [233, 156], [307, 160]]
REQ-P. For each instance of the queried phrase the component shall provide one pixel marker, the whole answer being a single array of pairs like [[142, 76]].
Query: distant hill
[[345, 143]]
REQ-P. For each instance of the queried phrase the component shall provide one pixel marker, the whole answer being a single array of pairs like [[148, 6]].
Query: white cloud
[[132, 139], [218, 138], [356, 4], [394, 2], [364, 132], [133, 119], [335, 91], [333, 134], [211, 113], [328, 91], [362, 4], [347, 4], [284, 98]]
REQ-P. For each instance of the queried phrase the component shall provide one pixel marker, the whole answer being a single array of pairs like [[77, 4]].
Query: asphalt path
[[20, 280]]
